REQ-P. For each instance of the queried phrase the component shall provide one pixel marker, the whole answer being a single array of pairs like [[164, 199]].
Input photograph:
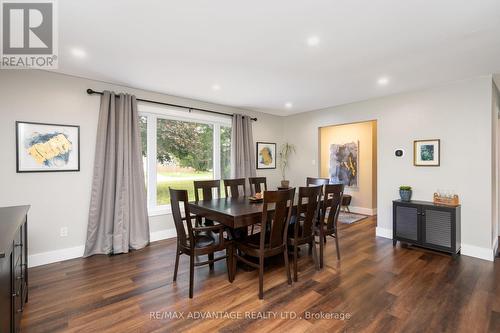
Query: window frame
[[155, 112]]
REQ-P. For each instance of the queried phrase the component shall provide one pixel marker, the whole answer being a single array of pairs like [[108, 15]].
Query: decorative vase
[[405, 195], [285, 183]]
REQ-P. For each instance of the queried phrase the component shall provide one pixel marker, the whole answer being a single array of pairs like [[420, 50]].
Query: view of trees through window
[[184, 153]]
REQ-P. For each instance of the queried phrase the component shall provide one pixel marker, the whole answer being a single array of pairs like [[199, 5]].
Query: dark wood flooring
[[377, 287]]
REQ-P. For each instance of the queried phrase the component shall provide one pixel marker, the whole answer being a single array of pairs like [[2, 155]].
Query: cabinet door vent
[[438, 227], [407, 222]]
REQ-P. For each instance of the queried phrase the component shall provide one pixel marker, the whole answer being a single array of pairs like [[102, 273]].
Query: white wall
[[495, 108], [62, 199], [459, 114]]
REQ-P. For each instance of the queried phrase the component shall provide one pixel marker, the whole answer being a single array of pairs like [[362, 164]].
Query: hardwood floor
[[380, 289]]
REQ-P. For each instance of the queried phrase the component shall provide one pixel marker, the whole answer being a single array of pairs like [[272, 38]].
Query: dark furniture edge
[[11, 219]]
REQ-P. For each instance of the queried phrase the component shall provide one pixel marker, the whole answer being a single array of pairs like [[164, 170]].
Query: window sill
[[160, 211]]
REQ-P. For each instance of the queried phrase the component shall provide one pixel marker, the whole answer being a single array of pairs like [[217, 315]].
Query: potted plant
[[405, 193], [286, 150]]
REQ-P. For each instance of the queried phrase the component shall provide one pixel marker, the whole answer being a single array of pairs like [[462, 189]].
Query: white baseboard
[[466, 250], [44, 258], [50, 257], [383, 232], [478, 252], [363, 210]]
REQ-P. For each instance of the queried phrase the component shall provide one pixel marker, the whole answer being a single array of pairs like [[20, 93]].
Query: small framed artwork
[[47, 147], [426, 152], [266, 155]]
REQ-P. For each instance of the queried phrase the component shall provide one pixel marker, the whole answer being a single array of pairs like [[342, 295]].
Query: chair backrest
[[307, 210], [182, 223], [278, 220], [234, 186], [332, 200], [255, 184], [206, 187], [317, 181]]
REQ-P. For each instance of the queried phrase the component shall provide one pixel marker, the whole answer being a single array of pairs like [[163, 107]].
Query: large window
[[180, 147]]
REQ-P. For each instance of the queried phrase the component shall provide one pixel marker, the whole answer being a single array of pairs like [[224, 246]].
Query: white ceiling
[[256, 51]]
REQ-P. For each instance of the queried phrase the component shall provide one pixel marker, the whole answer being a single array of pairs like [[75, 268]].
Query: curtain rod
[[91, 92]]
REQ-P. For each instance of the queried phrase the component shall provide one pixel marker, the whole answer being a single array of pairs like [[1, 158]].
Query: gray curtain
[[118, 218], [243, 150]]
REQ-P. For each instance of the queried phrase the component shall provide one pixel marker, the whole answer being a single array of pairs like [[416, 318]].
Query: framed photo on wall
[[426, 152], [44, 147], [266, 155]]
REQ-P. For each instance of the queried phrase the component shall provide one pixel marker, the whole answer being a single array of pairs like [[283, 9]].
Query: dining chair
[[234, 187], [327, 224], [269, 241], [302, 230], [206, 187], [317, 181], [256, 184], [196, 241]]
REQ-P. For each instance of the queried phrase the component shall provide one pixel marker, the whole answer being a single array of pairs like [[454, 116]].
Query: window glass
[[184, 153]]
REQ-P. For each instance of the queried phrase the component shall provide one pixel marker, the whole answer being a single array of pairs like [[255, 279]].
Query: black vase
[[405, 195]]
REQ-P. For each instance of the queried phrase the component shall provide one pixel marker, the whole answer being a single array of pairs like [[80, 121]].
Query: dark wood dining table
[[232, 212]]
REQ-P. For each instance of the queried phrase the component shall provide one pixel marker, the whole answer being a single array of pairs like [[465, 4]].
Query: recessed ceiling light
[[215, 87], [383, 81], [313, 41], [78, 53], [288, 105]]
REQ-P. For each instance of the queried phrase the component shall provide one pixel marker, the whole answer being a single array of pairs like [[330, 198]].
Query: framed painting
[[344, 164], [44, 147], [266, 155], [426, 152]]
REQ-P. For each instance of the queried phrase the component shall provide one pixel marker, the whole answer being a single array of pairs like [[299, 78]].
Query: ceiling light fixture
[[215, 87], [383, 81], [288, 105], [78, 53], [313, 41]]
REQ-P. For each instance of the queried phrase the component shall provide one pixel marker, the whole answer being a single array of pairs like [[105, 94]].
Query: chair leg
[[229, 263], [177, 254], [234, 262], [211, 257], [191, 275], [315, 255], [337, 245], [321, 245], [287, 266], [261, 277], [295, 255]]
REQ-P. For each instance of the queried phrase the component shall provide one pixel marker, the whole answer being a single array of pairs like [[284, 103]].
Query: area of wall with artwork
[[348, 156], [44, 147]]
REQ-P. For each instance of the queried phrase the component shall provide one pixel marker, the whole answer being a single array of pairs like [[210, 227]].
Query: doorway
[[348, 155]]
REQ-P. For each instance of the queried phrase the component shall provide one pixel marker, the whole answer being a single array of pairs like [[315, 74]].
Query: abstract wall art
[[426, 152], [47, 147], [266, 155], [344, 168]]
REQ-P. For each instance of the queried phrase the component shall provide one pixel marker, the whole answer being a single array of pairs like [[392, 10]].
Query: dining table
[[234, 213]]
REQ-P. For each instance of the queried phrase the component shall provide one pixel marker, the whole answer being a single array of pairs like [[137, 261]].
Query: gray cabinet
[[13, 266], [428, 225]]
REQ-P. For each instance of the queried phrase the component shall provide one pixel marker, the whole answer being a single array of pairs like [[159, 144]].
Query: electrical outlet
[[64, 231], [313, 162]]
